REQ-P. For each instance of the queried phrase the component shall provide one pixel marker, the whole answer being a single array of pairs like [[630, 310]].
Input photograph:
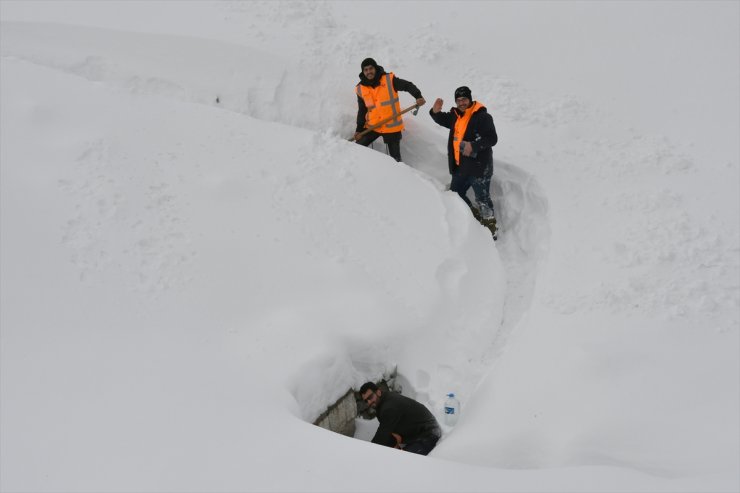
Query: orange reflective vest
[[461, 125], [382, 102]]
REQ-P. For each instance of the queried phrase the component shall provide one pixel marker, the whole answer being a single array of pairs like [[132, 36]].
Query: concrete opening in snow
[[351, 416]]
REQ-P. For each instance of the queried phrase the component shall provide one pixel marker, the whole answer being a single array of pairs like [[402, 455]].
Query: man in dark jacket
[[404, 423], [377, 100], [469, 154]]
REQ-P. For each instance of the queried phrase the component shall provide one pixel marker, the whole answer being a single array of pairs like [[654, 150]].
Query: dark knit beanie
[[368, 61], [463, 92]]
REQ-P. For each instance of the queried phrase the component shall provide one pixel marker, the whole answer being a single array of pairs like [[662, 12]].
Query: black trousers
[[425, 443], [481, 187], [392, 140]]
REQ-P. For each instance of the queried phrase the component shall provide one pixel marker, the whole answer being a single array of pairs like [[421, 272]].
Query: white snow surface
[[196, 262]]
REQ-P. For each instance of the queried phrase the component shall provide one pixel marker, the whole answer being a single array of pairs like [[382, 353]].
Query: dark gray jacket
[[403, 416]]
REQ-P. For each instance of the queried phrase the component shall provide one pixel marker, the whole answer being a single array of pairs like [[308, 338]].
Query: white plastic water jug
[[452, 409]]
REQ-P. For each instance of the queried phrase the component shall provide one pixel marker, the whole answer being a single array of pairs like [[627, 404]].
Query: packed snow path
[[522, 209]]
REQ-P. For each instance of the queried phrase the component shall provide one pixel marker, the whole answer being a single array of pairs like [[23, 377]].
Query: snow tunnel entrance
[[351, 416]]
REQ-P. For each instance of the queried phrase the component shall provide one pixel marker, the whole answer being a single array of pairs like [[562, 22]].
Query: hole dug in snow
[[351, 416]]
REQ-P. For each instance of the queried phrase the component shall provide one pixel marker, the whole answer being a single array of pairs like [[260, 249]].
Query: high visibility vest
[[382, 102], [461, 125]]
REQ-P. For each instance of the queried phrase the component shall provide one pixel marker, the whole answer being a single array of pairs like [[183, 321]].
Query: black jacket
[[403, 416], [398, 85], [481, 133]]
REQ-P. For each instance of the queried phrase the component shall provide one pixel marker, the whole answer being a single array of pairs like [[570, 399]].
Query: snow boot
[[491, 224], [488, 223]]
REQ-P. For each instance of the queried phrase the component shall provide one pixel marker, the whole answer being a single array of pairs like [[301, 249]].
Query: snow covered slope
[[196, 263]]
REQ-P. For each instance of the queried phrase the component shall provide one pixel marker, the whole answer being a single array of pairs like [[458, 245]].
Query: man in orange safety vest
[[469, 154], [377, 100]]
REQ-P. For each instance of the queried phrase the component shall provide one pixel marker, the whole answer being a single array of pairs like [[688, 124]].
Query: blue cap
[[451, 394]]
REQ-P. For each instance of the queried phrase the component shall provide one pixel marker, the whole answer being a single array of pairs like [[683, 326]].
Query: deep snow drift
[[196, 263]]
